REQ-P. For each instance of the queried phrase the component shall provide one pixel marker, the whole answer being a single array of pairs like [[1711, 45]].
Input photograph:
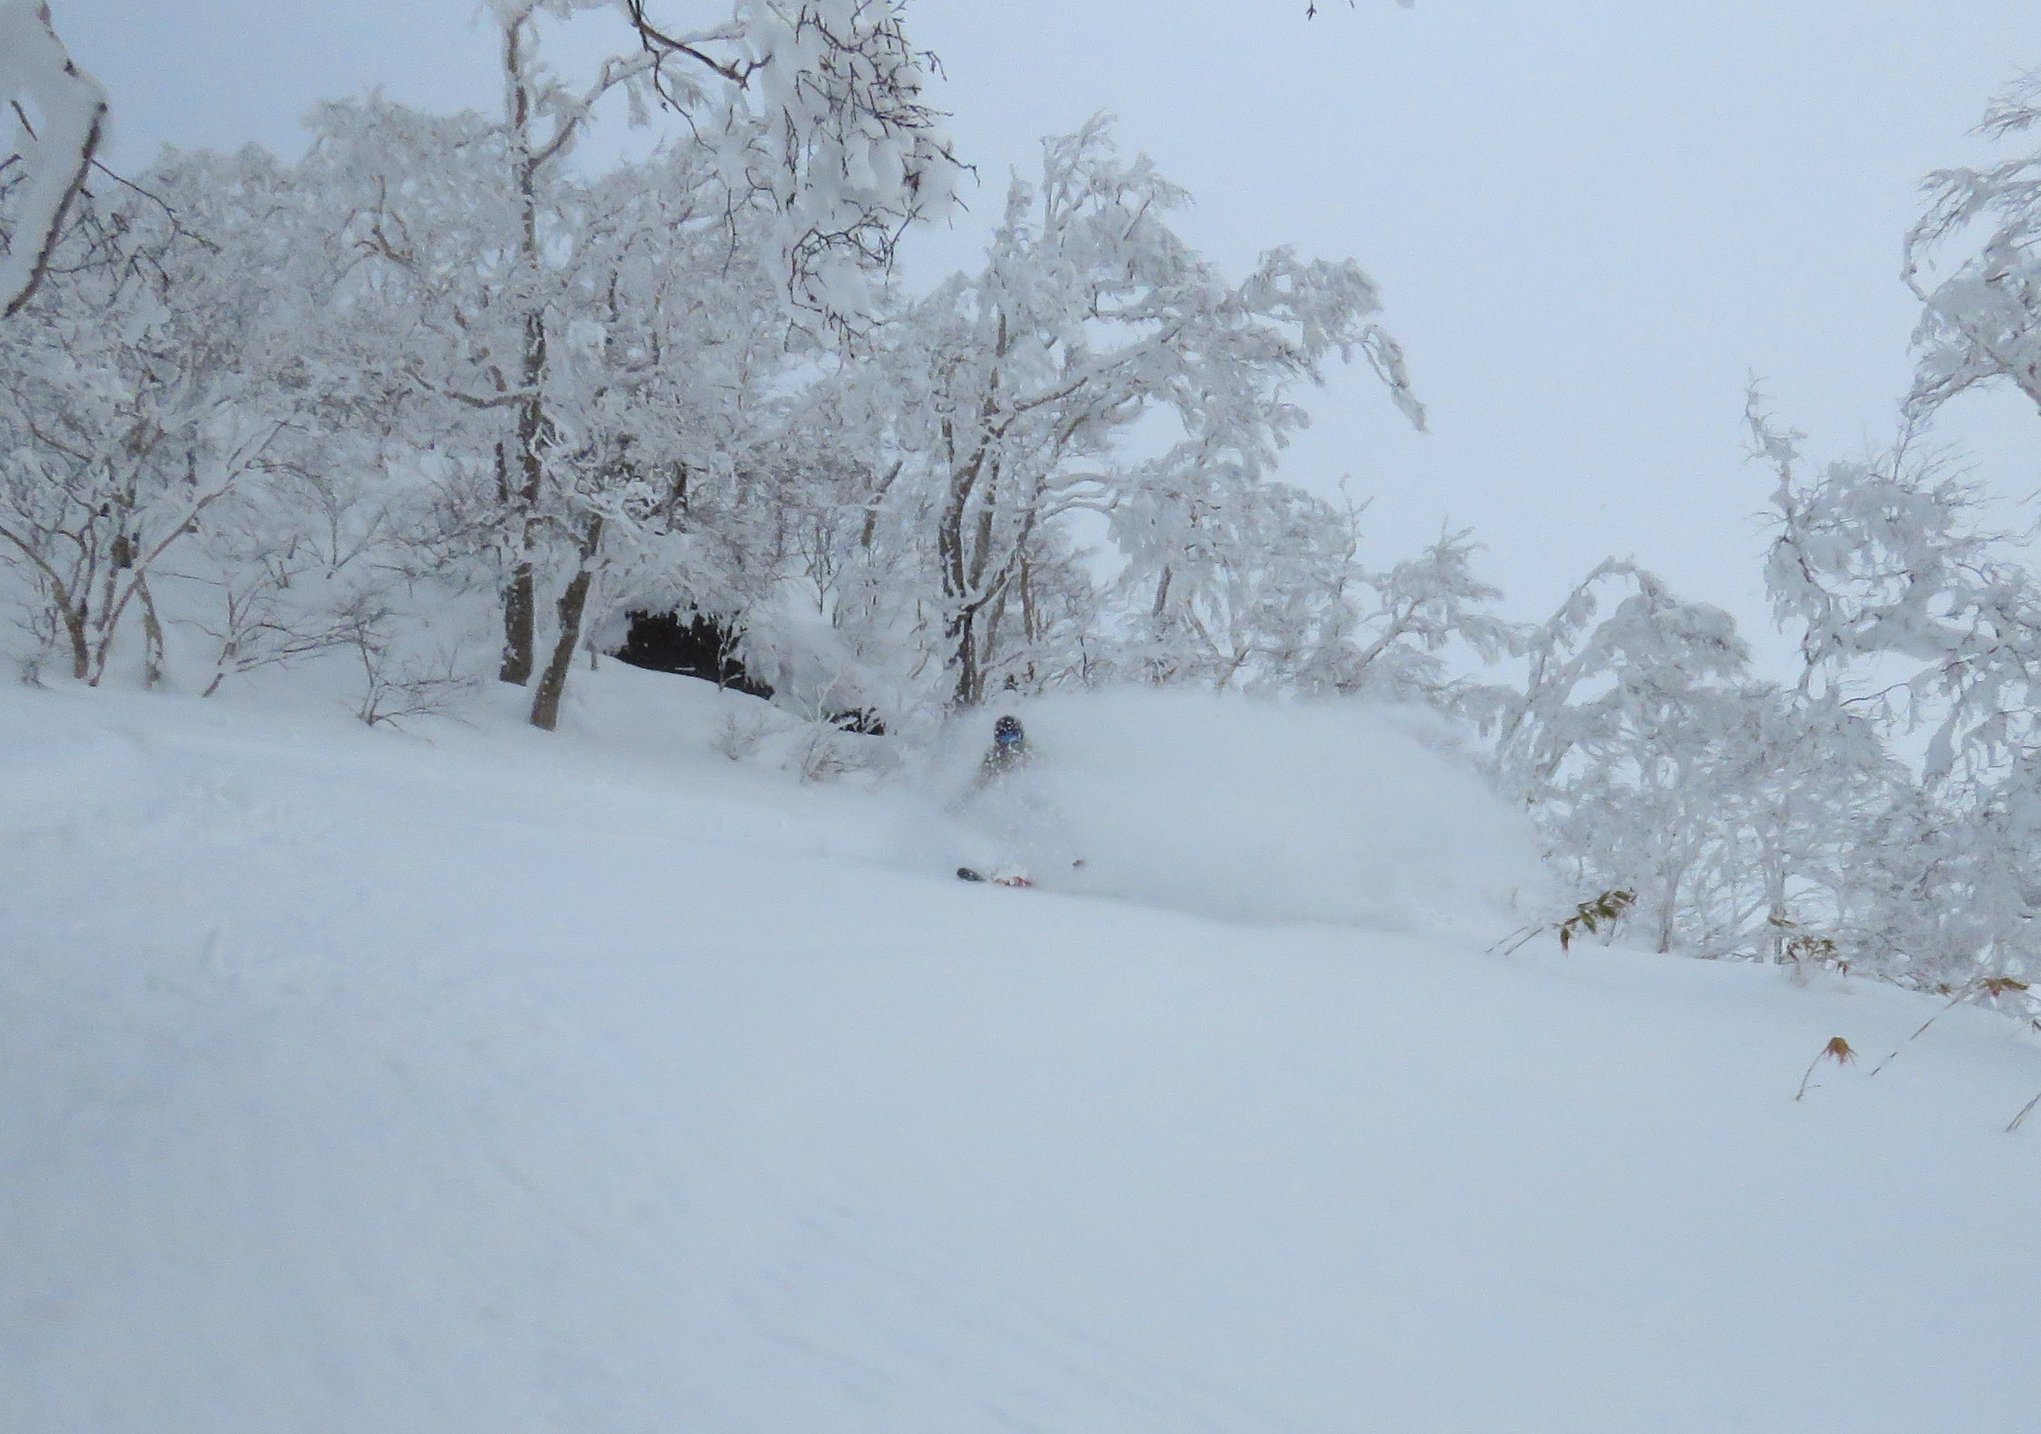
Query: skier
[[1008, 755]]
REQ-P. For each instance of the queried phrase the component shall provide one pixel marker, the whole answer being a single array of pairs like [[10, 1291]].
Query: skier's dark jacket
[[1009, 753]]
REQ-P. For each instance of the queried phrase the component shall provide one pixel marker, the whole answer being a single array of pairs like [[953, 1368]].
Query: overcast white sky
[[1592, 219]]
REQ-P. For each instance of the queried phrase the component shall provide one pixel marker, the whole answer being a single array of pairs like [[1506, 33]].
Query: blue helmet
[[1006, 732]]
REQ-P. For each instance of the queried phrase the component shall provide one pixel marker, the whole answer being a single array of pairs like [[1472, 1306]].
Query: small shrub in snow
[[1592, 917], [1804, 951], [827, 752], [397, 688], [738, 737], [1837, 1050]]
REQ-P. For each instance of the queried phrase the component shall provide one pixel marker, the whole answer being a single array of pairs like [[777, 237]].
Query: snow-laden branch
[[1970, 260], [824, 117], [54, 148]]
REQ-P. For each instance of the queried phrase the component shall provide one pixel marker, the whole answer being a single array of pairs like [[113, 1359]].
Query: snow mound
[[1246, 809]]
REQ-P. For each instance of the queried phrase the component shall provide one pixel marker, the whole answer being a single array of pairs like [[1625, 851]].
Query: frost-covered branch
[[49, 155], [824, 117]]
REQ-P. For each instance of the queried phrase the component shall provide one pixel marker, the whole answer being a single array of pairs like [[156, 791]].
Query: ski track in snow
[[355, 1083]]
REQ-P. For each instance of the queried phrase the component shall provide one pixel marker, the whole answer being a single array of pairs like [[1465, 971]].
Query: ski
[[966, 873]]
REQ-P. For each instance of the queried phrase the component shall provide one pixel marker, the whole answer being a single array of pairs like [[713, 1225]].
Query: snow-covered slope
[[355, 1082]]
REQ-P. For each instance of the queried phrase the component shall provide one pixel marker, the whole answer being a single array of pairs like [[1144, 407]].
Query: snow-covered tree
[[1270, 591], [146, 399], [573, 317], [1412, 632], [1616, 741], [1017, 390], [488, 372], [585, 399], [1971, 261], [1911, 608], [52, 114], [819, 109]]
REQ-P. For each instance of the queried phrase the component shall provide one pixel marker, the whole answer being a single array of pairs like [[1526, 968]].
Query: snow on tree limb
[[54, 151], [825, 118], [1978, 308]]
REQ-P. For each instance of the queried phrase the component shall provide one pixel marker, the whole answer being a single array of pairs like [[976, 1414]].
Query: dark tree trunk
[[153, 658], [573, 606], [81, 646], [963, 636], [520, 621]]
